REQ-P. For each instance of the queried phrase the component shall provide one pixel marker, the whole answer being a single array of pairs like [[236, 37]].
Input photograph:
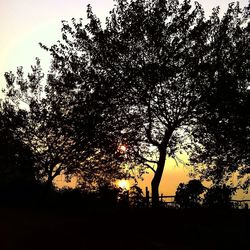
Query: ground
[[40, 229]]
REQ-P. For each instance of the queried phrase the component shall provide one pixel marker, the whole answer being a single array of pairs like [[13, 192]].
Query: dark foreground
[[43, 229]]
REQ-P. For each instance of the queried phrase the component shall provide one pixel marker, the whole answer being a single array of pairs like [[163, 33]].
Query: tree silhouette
[[160, 78], [219, 197], [136, 197], [145, 70], [51, 127], [16, 158], [224, 133], [188, 195]]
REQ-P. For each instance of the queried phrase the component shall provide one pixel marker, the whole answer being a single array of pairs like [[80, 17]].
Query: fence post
[[147, 197]]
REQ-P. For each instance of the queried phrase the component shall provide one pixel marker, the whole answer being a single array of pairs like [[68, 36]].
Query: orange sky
[[173, 175]]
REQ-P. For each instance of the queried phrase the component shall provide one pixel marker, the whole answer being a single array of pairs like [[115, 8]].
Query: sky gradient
[[25, 23]]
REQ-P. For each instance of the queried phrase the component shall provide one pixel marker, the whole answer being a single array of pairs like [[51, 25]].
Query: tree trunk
[[49, 182], [157, 178]]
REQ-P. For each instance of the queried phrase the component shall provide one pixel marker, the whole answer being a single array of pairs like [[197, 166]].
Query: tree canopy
[[223, 134], [16, 158], [50, 128], [156, 71], [189, 195]]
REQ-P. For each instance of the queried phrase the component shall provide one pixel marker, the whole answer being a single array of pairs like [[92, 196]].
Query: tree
[[108, 195], [136, 197], [46, 129], [51, 127], [145, 68], [16, 159], [188, 195], [219, 197], [223, 134]]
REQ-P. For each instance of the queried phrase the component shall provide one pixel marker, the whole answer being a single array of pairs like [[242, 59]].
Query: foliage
[[136, 197], [16, 158], [219, 197], [108, 195], [47, 128], [51, 127], [189, 195], [222, 135], [143, 70]]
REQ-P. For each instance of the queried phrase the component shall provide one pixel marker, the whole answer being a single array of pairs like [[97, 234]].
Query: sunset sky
[[25, 23]]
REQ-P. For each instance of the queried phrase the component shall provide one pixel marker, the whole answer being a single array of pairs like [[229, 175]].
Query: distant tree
[[108, 195], [189, 195], [46, 129], [16, 159], [223, 134], [145, 70], [136, 197], [51, 127], [219, 197]]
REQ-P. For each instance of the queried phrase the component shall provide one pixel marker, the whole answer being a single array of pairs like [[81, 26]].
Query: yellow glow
[[60, 182], [124, 184], [123, 148]]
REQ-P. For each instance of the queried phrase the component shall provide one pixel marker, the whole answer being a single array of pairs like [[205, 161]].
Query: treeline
[[158, 79], [195, 195]]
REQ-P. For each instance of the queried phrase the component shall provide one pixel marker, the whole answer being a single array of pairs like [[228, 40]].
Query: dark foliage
[[50, 129], [144, 74], [223, 133], [108, 195], [219, 197], [17, 172], [189, 195], [136, 197]]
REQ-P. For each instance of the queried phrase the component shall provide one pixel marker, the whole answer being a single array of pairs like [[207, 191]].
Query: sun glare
[[122, 148], [124, 184]]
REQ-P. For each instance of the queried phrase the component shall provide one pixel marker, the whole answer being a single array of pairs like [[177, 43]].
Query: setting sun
[[124, 184], [122, 148]]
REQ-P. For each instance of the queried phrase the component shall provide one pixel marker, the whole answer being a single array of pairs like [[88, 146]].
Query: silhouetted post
[[147, 197], [127, 197]]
